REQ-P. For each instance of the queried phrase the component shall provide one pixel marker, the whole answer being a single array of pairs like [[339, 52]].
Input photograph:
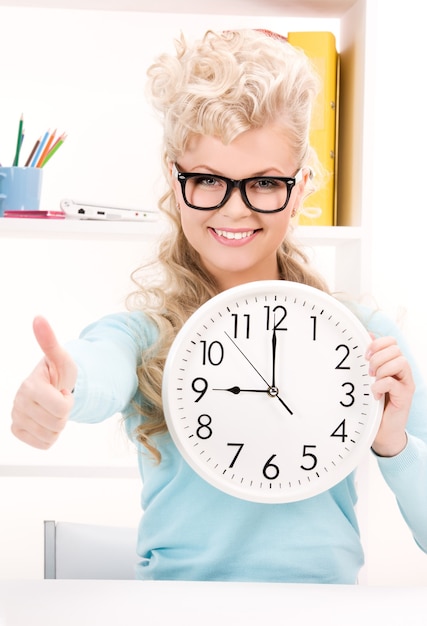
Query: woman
[[236, 109]]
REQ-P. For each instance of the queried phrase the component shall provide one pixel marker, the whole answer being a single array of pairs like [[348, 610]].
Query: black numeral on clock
[[204, 431], [213, 353], [275, 317], [311, 458], [241, 325], [349, 395], [200, 386], [239, 447], [314, 318], [270, 469], [346, 349], [340, 432]]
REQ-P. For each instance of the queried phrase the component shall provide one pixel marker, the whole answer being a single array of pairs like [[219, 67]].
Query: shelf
[[114, 230], [312, 8], [69, 471], [328, 235], [79, 229]]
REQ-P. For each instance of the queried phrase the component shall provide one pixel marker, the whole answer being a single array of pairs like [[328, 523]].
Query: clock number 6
[[271, 470]]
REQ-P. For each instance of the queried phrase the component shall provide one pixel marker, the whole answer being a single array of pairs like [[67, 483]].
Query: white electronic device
[[87, 211]]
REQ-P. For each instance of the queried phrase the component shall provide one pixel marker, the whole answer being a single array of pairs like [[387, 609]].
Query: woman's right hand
[[44, 400]]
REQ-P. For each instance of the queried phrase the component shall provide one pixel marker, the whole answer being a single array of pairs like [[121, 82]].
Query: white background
[[83, 72]]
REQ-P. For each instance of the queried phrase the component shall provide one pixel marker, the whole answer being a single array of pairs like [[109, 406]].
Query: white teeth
[[229, 235]]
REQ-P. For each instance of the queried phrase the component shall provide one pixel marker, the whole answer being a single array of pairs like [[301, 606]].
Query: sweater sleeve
[[107, 355], [406, 473]]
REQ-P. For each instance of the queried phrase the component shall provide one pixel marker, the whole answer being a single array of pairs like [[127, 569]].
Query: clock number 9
[[200, 386]]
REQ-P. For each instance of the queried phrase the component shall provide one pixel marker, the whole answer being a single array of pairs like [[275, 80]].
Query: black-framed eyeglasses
[[264, 194]]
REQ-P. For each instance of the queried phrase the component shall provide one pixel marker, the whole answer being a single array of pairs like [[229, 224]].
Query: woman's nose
[[235, 206]]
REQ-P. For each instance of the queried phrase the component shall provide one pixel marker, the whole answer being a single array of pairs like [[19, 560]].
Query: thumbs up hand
[[44, 400]]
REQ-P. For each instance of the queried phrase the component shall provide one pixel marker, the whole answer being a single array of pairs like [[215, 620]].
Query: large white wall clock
[[267, 392]]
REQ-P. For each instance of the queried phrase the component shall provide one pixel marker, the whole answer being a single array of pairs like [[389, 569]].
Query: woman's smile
[[229, 236]]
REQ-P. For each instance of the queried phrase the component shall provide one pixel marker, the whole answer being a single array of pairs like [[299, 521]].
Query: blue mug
[[20, 189]]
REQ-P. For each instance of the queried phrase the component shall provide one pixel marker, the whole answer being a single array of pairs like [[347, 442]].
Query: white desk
[[130, 603]]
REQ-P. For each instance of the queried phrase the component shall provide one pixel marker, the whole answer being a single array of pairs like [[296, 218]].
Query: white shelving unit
[[351, 238]]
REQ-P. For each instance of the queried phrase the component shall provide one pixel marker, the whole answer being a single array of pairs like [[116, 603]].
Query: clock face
[[267, 392]]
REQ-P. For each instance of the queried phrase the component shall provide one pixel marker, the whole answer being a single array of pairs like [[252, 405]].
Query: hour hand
[[271, 391], [236, 390]]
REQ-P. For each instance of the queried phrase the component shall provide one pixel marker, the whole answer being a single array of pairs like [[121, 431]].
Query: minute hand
[[274, 346], [273, 391]]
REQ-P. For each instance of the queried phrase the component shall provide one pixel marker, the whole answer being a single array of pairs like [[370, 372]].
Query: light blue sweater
[[191, 531]]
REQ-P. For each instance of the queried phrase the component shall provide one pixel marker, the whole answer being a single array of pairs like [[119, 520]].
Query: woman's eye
[[266, 184], [207, 181]]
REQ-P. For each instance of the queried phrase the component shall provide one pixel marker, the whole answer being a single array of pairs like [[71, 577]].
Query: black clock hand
[[272, 391], [274, 346], [236, 390]]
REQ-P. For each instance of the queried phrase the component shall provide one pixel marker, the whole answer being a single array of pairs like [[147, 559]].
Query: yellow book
[[320, 207]]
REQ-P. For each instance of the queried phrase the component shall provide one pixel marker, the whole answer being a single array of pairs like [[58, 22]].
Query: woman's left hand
[[393, 380]]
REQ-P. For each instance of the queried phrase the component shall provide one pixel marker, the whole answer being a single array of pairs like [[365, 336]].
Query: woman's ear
[[301, 189], [174, 184], [307, 175]]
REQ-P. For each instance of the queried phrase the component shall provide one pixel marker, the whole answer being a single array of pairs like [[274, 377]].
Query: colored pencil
[[36, 145], [39, 149], [54, 148], [46, 149], [18, 142]]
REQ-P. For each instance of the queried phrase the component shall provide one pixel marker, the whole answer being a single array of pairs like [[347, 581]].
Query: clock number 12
[[277, 314]]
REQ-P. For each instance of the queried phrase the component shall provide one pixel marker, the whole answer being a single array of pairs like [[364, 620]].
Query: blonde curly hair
[[222, 85]]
